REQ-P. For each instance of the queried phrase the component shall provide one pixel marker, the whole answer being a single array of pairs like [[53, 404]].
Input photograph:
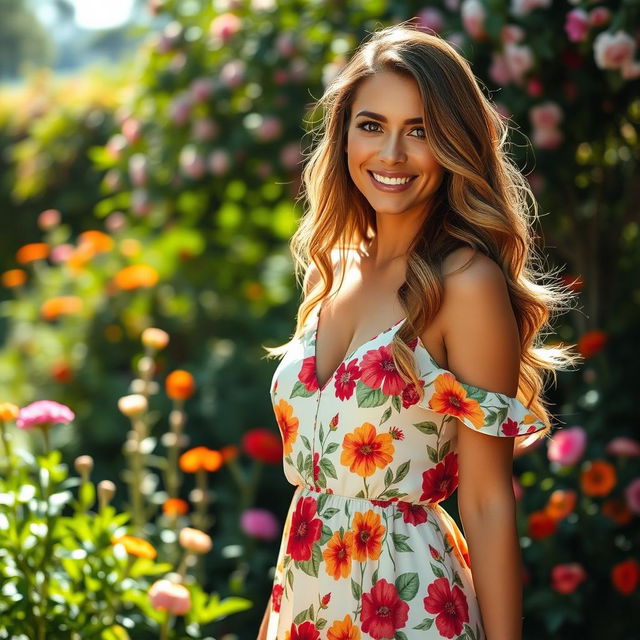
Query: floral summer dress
[[367, 551]]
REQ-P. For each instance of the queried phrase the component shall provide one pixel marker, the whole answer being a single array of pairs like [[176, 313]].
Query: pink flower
[[138, 169], [44, 413], [430, 19], [180, 108], [192, 162], [204, 129], [577, 25], [61, 253], [473, 15], [623, 447], [519, 59], [290, 156], [630, 69], [632, 495], [195, 540], [233, 73], [547, 138], [567, 446], [225, 26], [599, 16], [48, 219], [259, 523], [269, 129], [131, 130], [511, 33], [167, 596], [612, 51], [499, 71], [202, 89], [218, 162], [565, 578], [378, 371]]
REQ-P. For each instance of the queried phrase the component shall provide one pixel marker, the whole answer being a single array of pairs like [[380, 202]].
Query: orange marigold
[[200, 459], [136, 276], [180, 385], [136, 547], [95, 241], [625, 575], [175, 507], [229, 452], [32, 252], [54, 307], [561, 503], [14, 278], [598, 479]]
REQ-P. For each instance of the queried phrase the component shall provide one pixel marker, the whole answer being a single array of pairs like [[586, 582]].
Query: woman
[[413, 200]]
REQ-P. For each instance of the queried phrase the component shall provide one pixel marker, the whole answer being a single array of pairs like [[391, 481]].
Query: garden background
[[149, 175]]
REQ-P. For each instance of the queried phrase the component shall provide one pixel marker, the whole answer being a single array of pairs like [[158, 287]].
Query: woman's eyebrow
[[378, 116]]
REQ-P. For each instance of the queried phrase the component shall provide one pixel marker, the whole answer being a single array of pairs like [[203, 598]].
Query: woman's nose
[[392, 149]]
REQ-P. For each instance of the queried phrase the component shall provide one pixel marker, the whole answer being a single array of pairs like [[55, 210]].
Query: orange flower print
[[450, 397], [367, 536], [343, 630], [459, 544], [364, 450], [288, 424], [598, 479], [337, 555]]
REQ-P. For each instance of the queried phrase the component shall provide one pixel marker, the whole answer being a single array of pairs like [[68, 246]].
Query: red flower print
[[325, 600], [383, 612], [396, 433], [305, 631], [305, 529], [450, 397], [345, 379], [441, 481], [316, 467], [333, 423], [307, 374], [449, 605], [435, 554], [410, 395], [384, 503], [276, 596], [412, 513], [379, 372], [510, 427]]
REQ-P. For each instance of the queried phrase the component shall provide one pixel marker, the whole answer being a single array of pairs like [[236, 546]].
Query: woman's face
[[382, 141]]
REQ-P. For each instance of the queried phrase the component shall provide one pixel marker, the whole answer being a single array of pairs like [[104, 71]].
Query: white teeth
[[384, 180]]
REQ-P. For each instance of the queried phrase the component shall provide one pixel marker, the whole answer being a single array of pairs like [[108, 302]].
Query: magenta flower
[[567, 446], [259, 523], [44, 413], [632, 494]]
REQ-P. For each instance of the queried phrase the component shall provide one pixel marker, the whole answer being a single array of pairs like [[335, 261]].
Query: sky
[[102, 14]]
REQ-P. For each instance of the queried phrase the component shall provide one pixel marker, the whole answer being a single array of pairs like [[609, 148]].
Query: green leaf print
[[475, 392], [445, 449], [300, 391], [396, 402], [457, 580], [331, 447], [407, 585], [302, 616], [321, 481], [355, 589], [374, 577], [433, 454], [327, 466], [326, 533], [400, 635], [321, 623], [311, 567], [425, 624], [300, 461], [402, 471], [399, 542], [368, 397], [321, 433], [330, 512], [290, 578], [385, 416], [428, 428], [469, 632], [305, 441], [322, 500], [437, 571], [388, 478]]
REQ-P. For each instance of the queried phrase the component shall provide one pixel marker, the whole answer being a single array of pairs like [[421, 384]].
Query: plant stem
[[164, 630]]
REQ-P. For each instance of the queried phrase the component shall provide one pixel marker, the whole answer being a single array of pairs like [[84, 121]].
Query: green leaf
[[433, 454], [425, 624], [400, 635], [428, 428], [331, 447], [388, 477], [305, 441], [437, 571], [326, 534], [385, 416], [407, 585], [87, 494], [368, 397], [327, 466], [402, 471], [355, 589], [399, 542]]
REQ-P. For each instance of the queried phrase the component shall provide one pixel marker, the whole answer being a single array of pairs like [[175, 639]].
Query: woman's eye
[[363, 126]]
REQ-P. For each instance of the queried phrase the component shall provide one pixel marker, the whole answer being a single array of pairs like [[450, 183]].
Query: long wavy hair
[[483, 202]]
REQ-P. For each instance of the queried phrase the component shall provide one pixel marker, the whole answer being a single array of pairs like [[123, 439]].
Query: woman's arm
[[262, 632], [483, 349]]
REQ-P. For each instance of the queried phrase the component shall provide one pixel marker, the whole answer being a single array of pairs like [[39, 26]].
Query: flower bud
[[154, 338], [169, 439], [196, 496], [170, 597], [106, 491], [176, 419], [195, 540], [84, 465], [8, 411], [145, 365], [133, 405]]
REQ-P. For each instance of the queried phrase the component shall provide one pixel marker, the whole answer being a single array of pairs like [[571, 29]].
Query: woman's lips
[[390, 188]]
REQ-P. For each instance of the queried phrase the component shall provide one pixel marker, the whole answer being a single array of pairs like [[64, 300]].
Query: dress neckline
[[348, 355]]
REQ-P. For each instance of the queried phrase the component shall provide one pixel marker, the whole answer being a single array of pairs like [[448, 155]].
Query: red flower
[[384, 503], [412, 513], [541, 525], [441, 481], [276, 596], [510, 427], [379, 372], [435, 554], [410, 395], [306, 631], [262, 444], [383, 612], [449, 605], [307, 374], [316, 467], [345, 379], [625, 576], [396, 434], [305, 529]]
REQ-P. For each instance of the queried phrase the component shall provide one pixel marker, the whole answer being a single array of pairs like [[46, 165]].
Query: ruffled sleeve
[[489, 412]]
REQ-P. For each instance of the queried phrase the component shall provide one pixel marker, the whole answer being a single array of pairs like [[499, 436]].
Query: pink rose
[[290, 156], [546, 115], [577, 25], [43, 414], [473, 15], [259, 523], [567, 446], [611, 51], [599, 17], [204, 129], [286, 44], [519, 60], [630, 69], [269, 129], [623, 447], [180, 108], [632, 495], [566, 578], [524, 7]]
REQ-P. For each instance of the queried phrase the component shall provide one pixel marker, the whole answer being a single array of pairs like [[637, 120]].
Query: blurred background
[[150, 159]]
